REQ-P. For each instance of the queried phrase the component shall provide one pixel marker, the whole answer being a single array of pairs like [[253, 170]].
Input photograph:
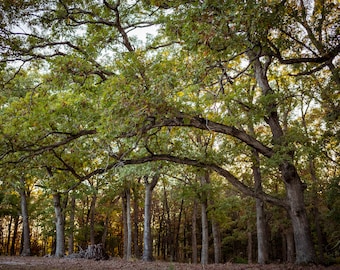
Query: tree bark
[[60, 225], [302, 236], [26, 243], [149, 186], [290, 246]]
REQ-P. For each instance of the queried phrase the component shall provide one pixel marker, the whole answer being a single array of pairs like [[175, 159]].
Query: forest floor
[[50, 263]]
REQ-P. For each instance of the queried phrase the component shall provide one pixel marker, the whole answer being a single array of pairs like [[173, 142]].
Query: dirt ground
[[50, 263]]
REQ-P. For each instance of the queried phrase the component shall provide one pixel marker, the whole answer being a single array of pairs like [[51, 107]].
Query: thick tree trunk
[[26, 241], [71, 233], [194, 233], [147, 251], [60, 225], [302, 235], [290, 246]]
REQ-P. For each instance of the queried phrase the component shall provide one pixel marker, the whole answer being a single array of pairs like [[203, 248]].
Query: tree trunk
[[9, 232], [129, 228], [204, 179], [315, 198], [194, 233], [217, 241], [15, 235], [262, 235], [250, 247], [147, 251], [71, 234], [126, 198], [290, 246], [92, 219], [261, 224], [60, 225], [302, 235], [294, 188], [136, 222], [205, 233], [125, 233], [177, 230], [26, 241]]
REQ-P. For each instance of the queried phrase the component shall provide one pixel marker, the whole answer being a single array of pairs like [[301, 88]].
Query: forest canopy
[[194, 131]]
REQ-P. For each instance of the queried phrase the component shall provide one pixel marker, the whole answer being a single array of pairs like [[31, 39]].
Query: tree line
[[215, 139]]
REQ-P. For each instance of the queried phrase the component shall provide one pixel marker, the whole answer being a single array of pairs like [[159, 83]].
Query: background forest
[[213, 139]]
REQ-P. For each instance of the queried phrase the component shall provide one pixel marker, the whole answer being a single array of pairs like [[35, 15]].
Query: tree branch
[[321, 59], [182, 160], [184, 120], [34, 151]]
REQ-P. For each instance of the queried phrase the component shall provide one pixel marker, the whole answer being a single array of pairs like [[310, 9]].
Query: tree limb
[[184, 120], [182, 160], [35, 150]]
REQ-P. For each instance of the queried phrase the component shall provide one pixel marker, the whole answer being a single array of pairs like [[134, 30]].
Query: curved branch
[[182, 160], [184, 120]]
